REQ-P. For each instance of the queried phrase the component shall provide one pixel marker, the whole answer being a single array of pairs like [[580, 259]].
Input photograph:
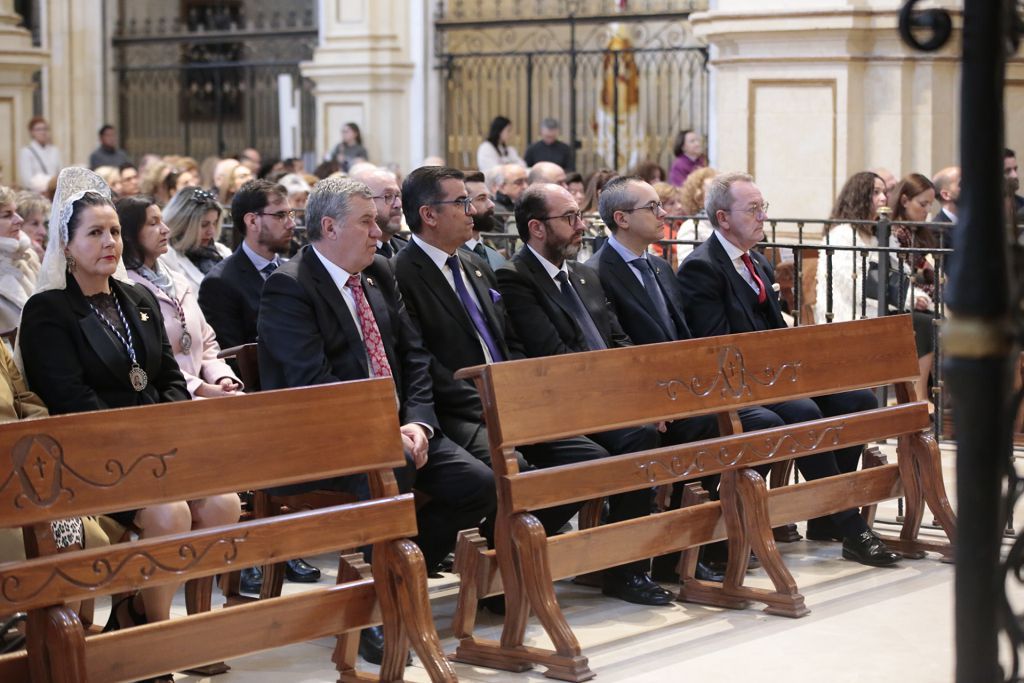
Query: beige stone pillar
[[18, 61], [368, 68], [78, 41], [808, 92]]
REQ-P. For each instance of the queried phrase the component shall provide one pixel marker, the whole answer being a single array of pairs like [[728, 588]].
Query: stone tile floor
[[865, 624]]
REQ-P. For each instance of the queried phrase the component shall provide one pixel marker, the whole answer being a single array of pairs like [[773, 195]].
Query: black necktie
[[268, 269], [580, 313], [385, 250], [480, 251], [655, 294]]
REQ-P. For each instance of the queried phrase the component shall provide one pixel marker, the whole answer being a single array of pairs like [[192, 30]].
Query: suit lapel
[[670, 288], [333, 298], [103, 342], [547, 285], [623, 272], [435, 283], [773, 300], [736, 281], [483, 294]]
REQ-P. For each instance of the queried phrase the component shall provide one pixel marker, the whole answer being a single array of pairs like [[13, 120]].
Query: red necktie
[[379, 366], [762, 295]]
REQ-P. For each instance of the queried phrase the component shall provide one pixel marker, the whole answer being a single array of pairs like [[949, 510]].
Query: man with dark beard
[[483, 221], [387, 197]]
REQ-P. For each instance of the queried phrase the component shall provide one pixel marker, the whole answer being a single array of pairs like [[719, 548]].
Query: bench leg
[[468, 555], [55, 641], [590, 518], [198, 598], [921, 475], [780, 474], [351, 567], [409, 586], [521, 551], [744, 498], [872, 457]]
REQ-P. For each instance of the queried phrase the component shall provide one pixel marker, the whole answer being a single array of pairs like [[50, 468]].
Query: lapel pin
[[478, 273], [144, 316], [582, 281], [369, 281]]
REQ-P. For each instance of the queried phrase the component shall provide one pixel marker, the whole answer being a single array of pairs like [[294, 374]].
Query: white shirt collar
[[731, 249], [439, 258], [337, 273], [258, 261], [950, 214], [551, 269], [471, 243], [625, 252]]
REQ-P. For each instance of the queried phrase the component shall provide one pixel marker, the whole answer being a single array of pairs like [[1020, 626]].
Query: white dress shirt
[[259, 262], [340, 277], [736, 256], [550, 268], [440, 260]]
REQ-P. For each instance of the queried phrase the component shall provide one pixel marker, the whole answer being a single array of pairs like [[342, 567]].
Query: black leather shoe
[[823, 529], [706, 573], [300, 571], [867, 548], [371, 645], [719, 567], [251, 580], [637, 588]]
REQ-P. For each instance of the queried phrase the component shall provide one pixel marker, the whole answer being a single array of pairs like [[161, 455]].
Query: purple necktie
[[475, 314]]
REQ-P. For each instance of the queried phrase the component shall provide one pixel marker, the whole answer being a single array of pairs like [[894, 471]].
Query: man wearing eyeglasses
[[729, 288], [506, 184], [387, 197], [558, 306]]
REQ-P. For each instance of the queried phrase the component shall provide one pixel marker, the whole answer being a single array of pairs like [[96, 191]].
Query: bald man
[[947, 191], [546, 172]]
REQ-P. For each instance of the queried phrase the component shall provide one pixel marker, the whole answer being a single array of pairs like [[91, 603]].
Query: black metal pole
[[572, 89], [979, 353], [615, 111]]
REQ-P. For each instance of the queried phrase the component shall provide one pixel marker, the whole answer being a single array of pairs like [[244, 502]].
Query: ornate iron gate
[[206, 82], [622, 85]]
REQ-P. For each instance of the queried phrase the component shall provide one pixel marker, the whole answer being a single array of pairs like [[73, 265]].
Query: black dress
[[76, 363]]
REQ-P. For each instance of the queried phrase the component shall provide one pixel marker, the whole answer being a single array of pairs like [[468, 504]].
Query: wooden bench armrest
[[236, 351]]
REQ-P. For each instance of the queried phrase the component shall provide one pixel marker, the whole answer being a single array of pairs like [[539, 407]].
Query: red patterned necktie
[[379, 366], [762, 295]]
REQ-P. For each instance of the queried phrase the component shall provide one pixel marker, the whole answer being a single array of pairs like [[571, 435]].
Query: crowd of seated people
[[128, 298]]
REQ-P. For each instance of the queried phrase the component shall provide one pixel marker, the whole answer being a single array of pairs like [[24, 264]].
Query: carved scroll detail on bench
[[733, 375], [757, 450], [39, 467], [103, 572]]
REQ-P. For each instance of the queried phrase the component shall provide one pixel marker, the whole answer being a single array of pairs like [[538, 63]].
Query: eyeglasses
[[571, 218], [755, 210], [389, 197], [201, 196], [279, 215], [653, 207], [466, 202]]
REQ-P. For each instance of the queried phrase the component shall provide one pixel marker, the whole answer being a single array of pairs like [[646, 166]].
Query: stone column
[[18, 62], [808, 92], [369, 68], [78, 39]]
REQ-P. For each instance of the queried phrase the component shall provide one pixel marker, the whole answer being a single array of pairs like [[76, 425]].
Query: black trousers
[[461, 490]]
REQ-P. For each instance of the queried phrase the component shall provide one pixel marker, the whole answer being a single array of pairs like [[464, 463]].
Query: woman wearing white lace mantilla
[[90, 339], [19, 264]]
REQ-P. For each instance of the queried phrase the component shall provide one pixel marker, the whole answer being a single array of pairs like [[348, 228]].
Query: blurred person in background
[[39, 160], [689, 151], [19, 264], [691, 196], [34, 210], [194, 217]]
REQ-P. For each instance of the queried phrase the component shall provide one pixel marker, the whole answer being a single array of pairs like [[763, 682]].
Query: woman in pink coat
[[193, 341]]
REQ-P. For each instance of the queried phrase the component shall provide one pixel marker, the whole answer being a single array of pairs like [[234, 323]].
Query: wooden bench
[[124, 459], [547, 398]]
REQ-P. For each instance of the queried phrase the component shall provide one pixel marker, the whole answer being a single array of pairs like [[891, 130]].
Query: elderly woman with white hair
[[91, 340], [19, 263]]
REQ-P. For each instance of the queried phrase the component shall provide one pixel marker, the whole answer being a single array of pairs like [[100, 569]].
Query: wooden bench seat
[[547, 398], [124, 459]]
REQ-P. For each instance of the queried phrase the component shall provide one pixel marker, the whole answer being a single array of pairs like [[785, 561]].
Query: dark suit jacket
[[447, 330], [717, 300], [76, 364], [397, 243], [307, 334], [230, 298], [633, 307], [539, 317]]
